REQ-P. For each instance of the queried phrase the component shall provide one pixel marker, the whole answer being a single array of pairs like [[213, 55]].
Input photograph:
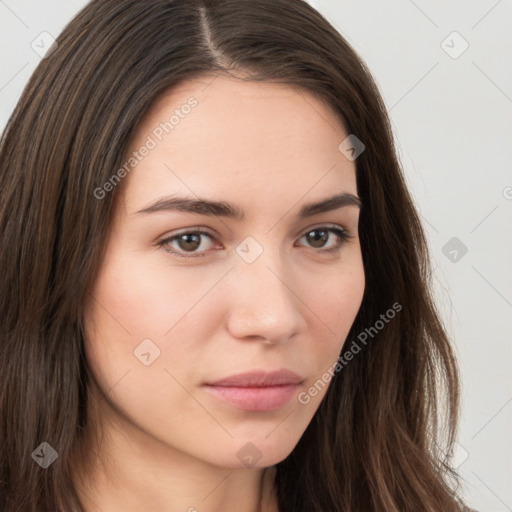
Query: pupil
[[187, 241], [322, 238]]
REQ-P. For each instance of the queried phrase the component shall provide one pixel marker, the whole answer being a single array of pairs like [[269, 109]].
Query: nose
[[263, 300]]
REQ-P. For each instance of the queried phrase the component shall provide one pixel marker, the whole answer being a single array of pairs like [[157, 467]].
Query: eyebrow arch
[[225, 209]]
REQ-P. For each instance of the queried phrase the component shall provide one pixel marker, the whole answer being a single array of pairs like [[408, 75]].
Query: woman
[[215, 284]]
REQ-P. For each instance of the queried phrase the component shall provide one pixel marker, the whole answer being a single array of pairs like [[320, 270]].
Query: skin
[[168, 445]]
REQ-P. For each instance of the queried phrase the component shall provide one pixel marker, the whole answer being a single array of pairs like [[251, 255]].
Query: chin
[[256, 453]]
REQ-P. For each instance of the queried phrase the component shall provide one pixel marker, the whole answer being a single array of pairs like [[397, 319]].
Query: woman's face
[[274, 288]]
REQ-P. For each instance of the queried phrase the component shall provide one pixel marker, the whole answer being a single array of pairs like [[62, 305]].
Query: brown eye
[[318, 237], [187, 242]]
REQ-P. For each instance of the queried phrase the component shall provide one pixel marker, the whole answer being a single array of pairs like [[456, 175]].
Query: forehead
[[218, 136]]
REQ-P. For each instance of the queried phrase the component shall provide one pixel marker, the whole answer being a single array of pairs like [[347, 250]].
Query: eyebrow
[[224, 209]]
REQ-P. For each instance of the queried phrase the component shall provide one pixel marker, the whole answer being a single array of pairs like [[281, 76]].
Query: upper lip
[[259, 379]]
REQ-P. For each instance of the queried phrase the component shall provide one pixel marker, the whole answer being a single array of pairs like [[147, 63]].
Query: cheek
[[134, 300], [334, 306], [139, 297], [121, 313], [336, 300], [346, 298]]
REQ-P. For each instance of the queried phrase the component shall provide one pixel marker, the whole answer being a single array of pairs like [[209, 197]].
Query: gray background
[[451, 114]]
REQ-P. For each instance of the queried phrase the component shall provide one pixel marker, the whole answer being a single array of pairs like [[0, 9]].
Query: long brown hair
[[375, 442]]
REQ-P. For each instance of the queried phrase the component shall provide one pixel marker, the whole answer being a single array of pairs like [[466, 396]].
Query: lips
[[260, 379], [257, 391]]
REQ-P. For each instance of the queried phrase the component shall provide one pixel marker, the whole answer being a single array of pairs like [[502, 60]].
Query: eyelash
[[343, 234]]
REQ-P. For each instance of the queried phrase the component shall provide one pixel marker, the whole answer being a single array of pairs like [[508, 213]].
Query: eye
[[319, 236], [189, 241]]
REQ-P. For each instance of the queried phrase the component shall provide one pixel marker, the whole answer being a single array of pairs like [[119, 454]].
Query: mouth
[[257, 391]]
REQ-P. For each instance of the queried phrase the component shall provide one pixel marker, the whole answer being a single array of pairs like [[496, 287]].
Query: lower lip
[[257, 399]]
